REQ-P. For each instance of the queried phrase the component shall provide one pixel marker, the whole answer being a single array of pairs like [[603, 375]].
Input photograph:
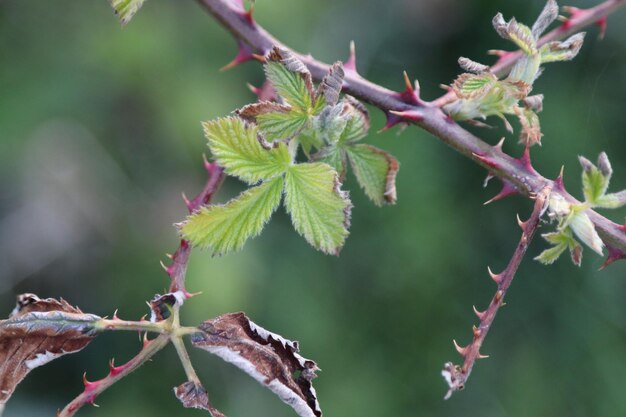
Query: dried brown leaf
[[193, 395], [269, 358], [36, 332], [331, 84], [251, 111]]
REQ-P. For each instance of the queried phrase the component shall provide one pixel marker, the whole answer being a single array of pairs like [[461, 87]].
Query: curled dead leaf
[[267, 357]]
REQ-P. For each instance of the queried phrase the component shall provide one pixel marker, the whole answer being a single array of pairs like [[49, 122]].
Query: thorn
[[499, 144], [260, 58], [410, 115], [614, 255], [164, 267], [248, 14], [410, 95], [392, 120], [521, 223], [479, 356], [525, 161], [244, 54], [462, 350], [186, 200], [476, 331], [487, 179], [86, 383], [143, 318], [445, 87], [350, 64], [558, 182], [486, 160], [146, 342], [496, 277], [115, 317], [499, 295], [497, 52], [508, 189], [188, 295], [479, 314], [169, 256]]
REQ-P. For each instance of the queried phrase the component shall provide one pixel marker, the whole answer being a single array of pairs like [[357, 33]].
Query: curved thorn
[[479, 314], [496, 277], [462, 350]]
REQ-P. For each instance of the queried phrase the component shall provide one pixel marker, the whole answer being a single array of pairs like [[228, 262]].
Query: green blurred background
[[100, 133]]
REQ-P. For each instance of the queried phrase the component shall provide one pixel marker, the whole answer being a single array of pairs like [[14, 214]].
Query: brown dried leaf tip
[[36, 332], [193, 395], [267, 357]]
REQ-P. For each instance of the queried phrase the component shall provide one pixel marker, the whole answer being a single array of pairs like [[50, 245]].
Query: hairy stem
[[457, 376], [429, 116], [93, 389], [140, 326]]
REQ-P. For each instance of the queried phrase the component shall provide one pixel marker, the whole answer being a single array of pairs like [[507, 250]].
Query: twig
[[178, 269], [579, 20], [93, 389], [429, 116], [456, 375]]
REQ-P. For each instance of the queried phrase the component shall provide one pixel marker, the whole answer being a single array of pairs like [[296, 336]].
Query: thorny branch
[[456, 375], [408, 107], [178, 269], [93, 389]]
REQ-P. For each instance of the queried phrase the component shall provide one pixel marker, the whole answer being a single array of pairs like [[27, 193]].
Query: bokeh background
[[100, 133]]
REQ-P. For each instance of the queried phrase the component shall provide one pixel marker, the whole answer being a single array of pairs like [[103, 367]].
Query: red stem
[[457, 375], [431, 117], [178, 269]]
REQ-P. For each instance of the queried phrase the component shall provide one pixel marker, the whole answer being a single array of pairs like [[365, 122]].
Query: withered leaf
[[269, 358], [36, 332], [331, 84], [193, 395], [251, 111]]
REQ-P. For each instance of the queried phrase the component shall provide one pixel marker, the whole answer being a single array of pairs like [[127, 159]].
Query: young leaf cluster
[[260, 147], [573, 222], [481, 94]]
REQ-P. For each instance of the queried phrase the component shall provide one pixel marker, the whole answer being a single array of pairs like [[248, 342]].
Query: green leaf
[[319, 210], [224, 228], [516, 32], [126, 9], [562, 51], [375, 171], [276, 126], [549, 256], [238, 148], [612, 201], [331, 123], [310, 138], [561, 240], [290, 78], [335, 156], [595, 184], [474, 86]]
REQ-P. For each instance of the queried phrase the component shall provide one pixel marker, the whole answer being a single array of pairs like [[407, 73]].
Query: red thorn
[[410, 95], [602, 25], [248, 14], [244, 54], [614, 255], [525, 161], [410, 115], [115, 317], [558, 182], [508, 189], [392, 120], [495, 277], [486, 160], [521, 224], [350, 64], [89, 386], [462, 350], [479, 314], [476, 331], [188, 294], [264, 93]]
